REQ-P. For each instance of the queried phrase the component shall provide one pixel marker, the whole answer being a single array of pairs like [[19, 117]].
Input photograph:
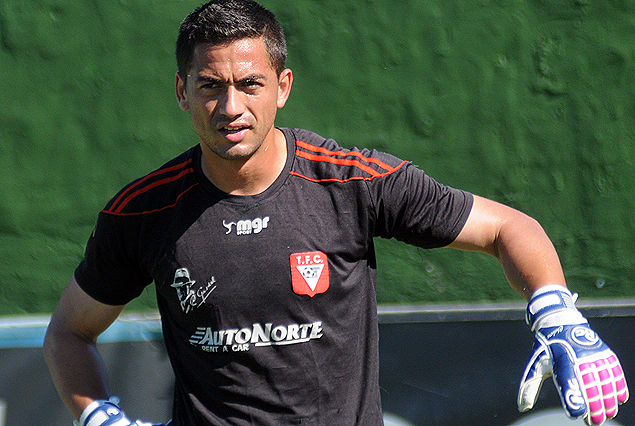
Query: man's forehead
[[245, 56], [247, 49]]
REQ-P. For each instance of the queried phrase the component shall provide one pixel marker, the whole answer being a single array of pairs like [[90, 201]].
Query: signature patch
[[191, 297]]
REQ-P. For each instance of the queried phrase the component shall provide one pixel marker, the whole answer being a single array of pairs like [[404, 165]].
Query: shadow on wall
[[555, 417], [389, 420]]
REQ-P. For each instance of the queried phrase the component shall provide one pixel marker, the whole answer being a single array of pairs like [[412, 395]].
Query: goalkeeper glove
[[107, 413], [587, 374]]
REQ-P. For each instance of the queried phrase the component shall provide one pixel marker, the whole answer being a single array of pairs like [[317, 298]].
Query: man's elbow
[[51, 342]]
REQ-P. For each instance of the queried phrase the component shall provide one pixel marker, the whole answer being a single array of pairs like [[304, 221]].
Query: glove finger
[[595, 389], [537, 370], [620, 381], [567, 383], [605, 386], [607, 383]]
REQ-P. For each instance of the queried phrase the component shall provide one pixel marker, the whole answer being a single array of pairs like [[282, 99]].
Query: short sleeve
[[110, 271], [414, 208]]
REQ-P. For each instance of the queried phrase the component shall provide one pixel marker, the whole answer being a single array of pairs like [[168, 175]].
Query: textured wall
[[530, 103]]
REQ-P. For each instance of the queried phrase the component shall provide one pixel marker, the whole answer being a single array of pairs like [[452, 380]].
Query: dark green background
[[530, 103]]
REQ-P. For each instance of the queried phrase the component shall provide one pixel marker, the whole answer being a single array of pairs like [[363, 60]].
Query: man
[[260, 243]]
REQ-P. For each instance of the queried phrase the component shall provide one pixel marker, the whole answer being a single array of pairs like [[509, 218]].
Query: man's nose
[[232, 104]]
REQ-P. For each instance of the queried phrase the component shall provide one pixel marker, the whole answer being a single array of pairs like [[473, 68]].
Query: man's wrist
[[100, 411], [89, 409], [552, 305]]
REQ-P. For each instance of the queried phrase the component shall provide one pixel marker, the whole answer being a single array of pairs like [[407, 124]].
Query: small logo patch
[[309, 273], [191, 298], [584, 336], [247, 226]]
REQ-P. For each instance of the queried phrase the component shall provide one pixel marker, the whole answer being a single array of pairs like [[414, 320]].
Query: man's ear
[[285, 81], [181, 96]]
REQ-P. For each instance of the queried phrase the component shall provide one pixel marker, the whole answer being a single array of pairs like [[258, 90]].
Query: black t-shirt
[[268, 301]]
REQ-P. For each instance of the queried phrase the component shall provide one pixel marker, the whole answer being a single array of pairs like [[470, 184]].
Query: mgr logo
[[247, 226]]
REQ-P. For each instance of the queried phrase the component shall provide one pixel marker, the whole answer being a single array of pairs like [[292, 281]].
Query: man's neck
[[247, 177]]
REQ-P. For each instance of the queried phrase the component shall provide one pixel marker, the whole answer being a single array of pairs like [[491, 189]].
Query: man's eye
[[210, 86], [251, 84]]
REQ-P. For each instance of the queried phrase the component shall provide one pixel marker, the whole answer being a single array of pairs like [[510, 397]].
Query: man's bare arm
[[524, 250], [69, 347]]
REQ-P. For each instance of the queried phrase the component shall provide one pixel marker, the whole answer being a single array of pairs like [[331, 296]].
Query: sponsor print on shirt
[[256, 335], [309, 273]]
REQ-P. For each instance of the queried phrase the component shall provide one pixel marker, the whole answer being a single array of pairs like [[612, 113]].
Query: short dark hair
[[225, 21]]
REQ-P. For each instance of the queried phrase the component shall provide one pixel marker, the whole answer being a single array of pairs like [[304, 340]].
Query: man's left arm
[[587, 374], [518, 241]]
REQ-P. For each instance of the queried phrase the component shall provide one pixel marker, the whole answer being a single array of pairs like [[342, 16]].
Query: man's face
[[233, 93]]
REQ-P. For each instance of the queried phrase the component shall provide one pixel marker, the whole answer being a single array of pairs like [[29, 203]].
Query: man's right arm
[[70, 348]]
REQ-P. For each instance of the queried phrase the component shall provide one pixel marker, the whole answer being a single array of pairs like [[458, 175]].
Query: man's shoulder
[[309, 137], [157, 190], [323, 159]]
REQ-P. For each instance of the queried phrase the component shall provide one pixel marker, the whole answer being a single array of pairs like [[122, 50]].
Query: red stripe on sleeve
[[113, 207], [150, 186], [327, 152]]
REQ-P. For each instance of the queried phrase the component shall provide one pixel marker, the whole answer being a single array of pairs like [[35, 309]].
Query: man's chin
[[237, 152]]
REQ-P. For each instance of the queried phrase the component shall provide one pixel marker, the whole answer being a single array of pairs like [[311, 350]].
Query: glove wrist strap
[[96, 413], [552, 305], [88, 410]]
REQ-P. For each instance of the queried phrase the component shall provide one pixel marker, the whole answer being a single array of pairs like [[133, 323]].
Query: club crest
[[309, 273]]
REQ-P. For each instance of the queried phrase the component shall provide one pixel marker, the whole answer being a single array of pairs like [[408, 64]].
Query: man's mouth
[[234, 133], [228, 129]]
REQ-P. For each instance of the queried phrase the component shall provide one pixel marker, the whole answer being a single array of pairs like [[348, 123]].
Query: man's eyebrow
[[201, 78], [248, 78], [253, 77]]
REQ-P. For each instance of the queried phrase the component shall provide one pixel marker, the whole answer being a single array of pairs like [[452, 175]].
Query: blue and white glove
[[108, 413], [587, 374]]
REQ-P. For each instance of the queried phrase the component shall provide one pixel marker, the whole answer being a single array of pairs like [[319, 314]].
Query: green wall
[[530, 103]]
